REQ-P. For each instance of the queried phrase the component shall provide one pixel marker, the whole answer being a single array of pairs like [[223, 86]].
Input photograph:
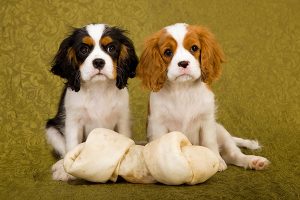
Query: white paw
[[59, 173], [258, 163], [222, 165]]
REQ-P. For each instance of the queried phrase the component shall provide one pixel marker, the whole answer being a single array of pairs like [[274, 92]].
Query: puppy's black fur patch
[[125, 66], [63, 65]]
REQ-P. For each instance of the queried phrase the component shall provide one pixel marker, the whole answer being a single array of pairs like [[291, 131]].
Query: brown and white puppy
[[178, 65], [96, 62]]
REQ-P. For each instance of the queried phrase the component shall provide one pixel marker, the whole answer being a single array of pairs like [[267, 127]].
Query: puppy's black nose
[[183, 64], [98, 63]]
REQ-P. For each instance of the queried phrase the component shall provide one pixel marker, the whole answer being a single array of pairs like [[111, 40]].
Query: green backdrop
[[257, 96]]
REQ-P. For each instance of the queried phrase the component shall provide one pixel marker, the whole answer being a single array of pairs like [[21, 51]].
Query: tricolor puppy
[[96, 62], [178, 64]]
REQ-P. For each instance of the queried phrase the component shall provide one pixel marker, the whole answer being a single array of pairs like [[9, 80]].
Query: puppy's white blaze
[[87, 70], [95, 31], [178, 32]]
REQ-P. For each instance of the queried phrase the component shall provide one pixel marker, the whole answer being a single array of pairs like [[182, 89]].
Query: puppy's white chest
[[183, 113], [95, 108], [99, 108], [183, 109], [101, 114]]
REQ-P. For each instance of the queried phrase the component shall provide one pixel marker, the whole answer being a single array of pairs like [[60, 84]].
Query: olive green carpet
[[257, 96]]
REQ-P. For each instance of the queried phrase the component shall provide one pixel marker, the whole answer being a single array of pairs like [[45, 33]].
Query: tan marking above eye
[[165, 43], [189, 41], [105, 40], [88, 40]]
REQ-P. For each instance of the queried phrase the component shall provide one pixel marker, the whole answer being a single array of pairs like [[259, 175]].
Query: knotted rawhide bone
[[171, 159]]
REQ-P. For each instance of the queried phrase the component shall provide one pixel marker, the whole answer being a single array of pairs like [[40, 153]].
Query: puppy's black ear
[[127, 61], [65, 64]]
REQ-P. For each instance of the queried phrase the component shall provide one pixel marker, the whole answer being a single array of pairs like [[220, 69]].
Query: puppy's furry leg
[[155, 128], [233, 155], [240, 142], [249, 144], [73, 132], [209, 140], [124, 125], [57, 140]]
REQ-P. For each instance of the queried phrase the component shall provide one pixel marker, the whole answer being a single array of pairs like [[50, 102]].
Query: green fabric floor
[[258, 94]]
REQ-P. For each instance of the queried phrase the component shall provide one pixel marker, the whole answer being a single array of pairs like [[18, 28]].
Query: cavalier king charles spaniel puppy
[[96, 62], [179, 64]]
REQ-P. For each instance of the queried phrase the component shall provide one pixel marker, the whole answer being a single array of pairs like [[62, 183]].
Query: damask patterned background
[[258, 94]]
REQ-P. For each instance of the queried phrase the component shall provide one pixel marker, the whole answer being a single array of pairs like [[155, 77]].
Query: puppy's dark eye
[[84, 50], [111, 48], [194, 48], [168, 52]]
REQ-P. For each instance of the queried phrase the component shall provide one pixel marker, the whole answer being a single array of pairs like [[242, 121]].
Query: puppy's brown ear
[[152, 68], [211, 55]]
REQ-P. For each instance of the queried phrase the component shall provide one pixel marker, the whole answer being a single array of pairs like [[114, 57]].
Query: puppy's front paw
[[258, 163], [59, 173], [222, 165]]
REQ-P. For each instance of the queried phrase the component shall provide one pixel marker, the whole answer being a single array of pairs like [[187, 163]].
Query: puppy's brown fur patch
[[210, 55], [153, 63]]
